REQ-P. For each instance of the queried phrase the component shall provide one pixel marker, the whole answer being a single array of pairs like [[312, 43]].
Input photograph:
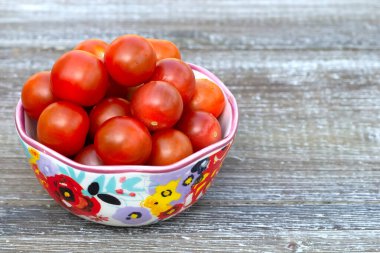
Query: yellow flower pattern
[[35, 155], [160, 201]]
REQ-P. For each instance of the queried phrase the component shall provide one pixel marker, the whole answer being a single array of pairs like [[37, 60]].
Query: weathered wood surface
[[303, 175]]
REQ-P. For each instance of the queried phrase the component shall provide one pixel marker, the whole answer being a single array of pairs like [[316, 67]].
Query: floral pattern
[[125, 199], [206, 174], [68, 193], [40, 177], [46, 167], [160, 201], [132, 215], [170, 212]]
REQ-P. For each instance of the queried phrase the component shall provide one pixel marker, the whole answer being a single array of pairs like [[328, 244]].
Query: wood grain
[[303, 174]]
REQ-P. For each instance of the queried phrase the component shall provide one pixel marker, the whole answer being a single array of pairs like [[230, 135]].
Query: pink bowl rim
[[107, 169]]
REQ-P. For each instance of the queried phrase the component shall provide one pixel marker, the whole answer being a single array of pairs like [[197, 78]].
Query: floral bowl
[[128, 195]]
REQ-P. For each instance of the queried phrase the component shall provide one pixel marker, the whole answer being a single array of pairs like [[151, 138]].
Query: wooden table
[[303, 175]]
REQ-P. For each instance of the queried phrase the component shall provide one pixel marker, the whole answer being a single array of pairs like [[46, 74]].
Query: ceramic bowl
[[128, 195]]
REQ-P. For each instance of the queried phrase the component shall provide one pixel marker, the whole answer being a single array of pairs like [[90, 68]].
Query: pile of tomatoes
[[133, 101]]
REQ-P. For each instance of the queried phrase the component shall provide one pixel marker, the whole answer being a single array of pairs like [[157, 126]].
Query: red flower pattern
[[203, 182], [170, 212], [68, 193]]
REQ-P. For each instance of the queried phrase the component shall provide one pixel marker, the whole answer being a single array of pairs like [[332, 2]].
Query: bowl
[[129, 195]]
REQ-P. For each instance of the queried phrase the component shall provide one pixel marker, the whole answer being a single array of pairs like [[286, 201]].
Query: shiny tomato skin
[[157, 104], [96, 47], [106, 109], [123, 140], [88, 156], [169, 146], [130, 60], [165, 49], [63, 127], [202, 128], [207, 97], [79, 77], [36, 94], [178, 74]]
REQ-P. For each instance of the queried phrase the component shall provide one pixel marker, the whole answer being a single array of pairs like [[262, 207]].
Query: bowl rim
[[109, 169]]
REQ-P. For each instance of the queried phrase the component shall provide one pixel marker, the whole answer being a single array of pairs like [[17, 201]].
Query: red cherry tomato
[[94, 46], [79, 77], [63, 127], [130, 60], [123, 140], [177, 73], [169, 146], [88, 156], [165, 49], [36, 94], [157, 104], [106, 109], [208, 97], [202, 128]]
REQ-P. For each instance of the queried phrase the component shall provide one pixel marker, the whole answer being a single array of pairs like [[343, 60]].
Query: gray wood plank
[[196, 24], [303, 174]]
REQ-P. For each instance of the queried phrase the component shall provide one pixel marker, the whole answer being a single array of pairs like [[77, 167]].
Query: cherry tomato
[[165, 49], [130, 60], [94, 46], [123, 140], [106, 109], [36, 94], [169, 146], [79, 77], [178, 74], [157, 104], [88, 156], [202, 128], [208, 97], [63, 127]]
